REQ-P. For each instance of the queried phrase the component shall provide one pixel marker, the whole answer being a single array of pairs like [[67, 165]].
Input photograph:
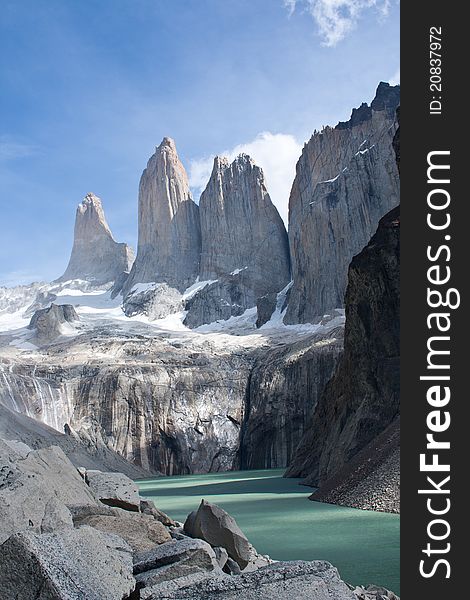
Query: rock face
[[214, 525], [169, 243], [362, 398], [242, 235], [36, 490], [49, 323], [96, 256], [346, 180], [74, 564], [282, 396], [14, 426]]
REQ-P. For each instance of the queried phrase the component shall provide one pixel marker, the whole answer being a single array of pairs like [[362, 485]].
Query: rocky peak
[[96, 256], [169, 232], [240, 226], [346, 180], [48, 323]]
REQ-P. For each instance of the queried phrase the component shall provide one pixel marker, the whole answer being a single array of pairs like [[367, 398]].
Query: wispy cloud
[[12, 148], [275, 153], [395, 78], [335, 19]]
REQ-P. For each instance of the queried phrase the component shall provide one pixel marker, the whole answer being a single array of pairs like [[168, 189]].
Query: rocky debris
[[73, 564], [38, 435], [212, 524], [371, 479], [373, 592], [346, 180], [169, 243], [37, 490], [265, 307], [49, 323], [299, 579], [114, 489], [147, 507], [283, 391], [241, 230], [156, 301], [141, 532], [362, 398], [96, 256]]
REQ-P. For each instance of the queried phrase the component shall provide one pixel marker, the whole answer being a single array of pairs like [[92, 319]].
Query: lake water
[[278, 520]]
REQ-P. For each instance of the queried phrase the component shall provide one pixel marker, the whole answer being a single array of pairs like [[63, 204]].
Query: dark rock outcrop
[[362, 398], [265, 306], [169, 243], [48, 323], [282, 396], [96, 256], [346, 180]]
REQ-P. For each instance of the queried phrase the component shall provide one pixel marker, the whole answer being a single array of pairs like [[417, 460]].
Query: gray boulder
[[37, 491], [212, 524], [73, 565], [179, 559], [316, 580], [147, 507], [96, 256], [141, 532], [114, 489]]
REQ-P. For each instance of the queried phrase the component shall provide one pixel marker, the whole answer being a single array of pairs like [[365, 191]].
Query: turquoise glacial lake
[[279, 520]]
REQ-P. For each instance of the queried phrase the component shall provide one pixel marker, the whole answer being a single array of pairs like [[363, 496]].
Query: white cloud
[[275, 153], [11, 148], [395, 78], [336, 18]]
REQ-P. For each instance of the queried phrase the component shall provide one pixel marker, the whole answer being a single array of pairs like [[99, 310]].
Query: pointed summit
[[241, 227], [96, 256], [169, 232]]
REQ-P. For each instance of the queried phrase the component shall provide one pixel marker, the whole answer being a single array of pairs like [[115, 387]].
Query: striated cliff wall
[[346, 180]]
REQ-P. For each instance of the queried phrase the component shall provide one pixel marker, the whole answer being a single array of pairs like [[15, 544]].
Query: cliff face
[[282, 395], [241, 227], [362, 398], [245, 252], [96, 256], [169, 243], [346, 180]]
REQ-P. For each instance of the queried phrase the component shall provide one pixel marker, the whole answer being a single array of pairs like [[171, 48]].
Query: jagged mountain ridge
[[346, 180], [147, 392]]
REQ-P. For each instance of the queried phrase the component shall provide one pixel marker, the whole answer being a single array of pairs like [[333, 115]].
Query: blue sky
[[89, 88]]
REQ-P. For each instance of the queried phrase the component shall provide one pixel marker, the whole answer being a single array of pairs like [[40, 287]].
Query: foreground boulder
[[316, 580], [180, 559], [114, 489], [141, 532], [212, 524], [77, 564], [37, 489]]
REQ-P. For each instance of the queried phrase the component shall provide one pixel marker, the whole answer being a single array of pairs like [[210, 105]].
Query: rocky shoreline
[[76, 534]]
